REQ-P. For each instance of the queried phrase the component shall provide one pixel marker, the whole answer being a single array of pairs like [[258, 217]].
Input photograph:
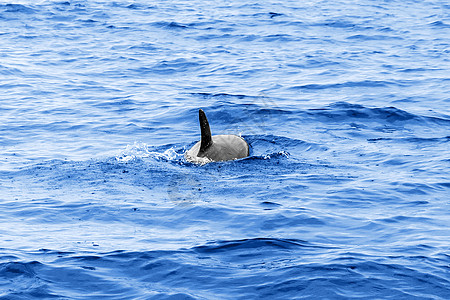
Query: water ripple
[[344, 194]]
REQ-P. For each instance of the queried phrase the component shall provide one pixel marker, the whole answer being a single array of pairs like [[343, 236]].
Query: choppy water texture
[[345, 105]]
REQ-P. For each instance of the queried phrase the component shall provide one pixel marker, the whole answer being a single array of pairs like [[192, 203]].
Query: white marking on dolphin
[[216, 148]]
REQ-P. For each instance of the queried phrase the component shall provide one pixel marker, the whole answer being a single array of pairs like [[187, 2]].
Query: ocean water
[[345, 105]]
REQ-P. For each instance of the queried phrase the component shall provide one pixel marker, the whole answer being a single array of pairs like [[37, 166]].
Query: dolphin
[[216, 148]]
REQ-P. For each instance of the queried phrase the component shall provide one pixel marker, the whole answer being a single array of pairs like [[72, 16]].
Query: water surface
[[345, 106]]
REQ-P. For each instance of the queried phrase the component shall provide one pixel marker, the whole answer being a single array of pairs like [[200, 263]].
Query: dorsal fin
[[206, 140]]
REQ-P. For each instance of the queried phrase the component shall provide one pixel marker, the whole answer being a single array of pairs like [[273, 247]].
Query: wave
[[238, 107], [17, 8], [171, 25], [344, 111], [258, 244], [233, 269], [10, 71], [349, 84]]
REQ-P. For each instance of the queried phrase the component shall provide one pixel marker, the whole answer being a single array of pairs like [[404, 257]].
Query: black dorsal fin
[[206, 140]]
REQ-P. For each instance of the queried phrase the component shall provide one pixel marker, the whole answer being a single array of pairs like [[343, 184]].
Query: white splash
[[141, 150]]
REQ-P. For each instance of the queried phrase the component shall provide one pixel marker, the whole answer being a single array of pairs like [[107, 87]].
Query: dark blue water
[[345, 105]]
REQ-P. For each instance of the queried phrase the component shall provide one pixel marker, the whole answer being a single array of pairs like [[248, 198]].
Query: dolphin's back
[[227, 147]]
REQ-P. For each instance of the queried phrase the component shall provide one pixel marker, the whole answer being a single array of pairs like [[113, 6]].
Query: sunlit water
[[345, 105]]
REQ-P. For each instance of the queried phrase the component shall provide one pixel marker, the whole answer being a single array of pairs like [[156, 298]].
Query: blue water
[[345, 105]]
